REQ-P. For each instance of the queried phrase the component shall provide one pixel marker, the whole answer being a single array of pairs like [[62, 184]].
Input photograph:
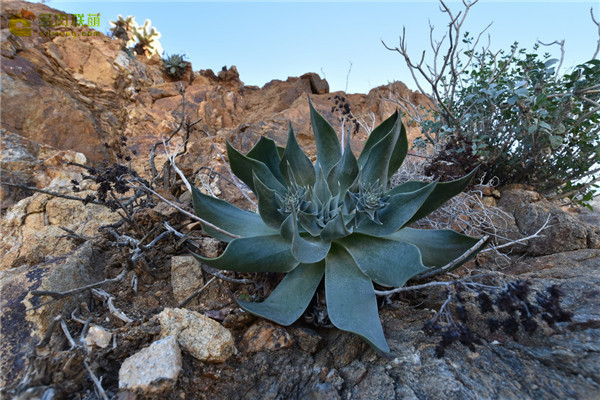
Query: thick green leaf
[[244, 167], [227, 217], [351, 302], [336, 228], [291, 297], [377, 164], [321, 189], [443, 192], [254, 254], [437, 247], [308, 222], [307, 250], [400, 151], [408, 186], [386, 262], [268, 207], [266, 152], [295, 159], [348, 170], [375, 136], [398, 212], [329, 151]]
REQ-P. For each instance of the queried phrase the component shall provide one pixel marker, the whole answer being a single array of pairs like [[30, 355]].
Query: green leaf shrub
[[336, 220], [523, 122]]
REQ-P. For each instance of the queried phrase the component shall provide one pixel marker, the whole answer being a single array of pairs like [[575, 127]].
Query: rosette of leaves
[[336, 220], [175, 65]]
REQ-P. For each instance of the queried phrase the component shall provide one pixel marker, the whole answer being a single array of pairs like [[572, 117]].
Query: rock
[[317, 85], [31, 228], [560, 364], [565, 232], [265, 335], [23, 326], [29, 163], [152, 370], [186, 277], [98, 336], [229, 75], [204, 338], [308, 340], [106, 94]]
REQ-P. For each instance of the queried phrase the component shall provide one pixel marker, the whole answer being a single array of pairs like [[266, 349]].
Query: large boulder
[[564, 232]]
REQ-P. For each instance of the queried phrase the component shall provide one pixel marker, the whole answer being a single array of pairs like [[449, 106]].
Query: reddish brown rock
[[265, 335]]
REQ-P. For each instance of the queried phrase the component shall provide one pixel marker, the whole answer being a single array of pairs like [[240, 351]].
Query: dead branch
[[457, 261], [597, 25], [51, 193], [466, 281], [189, 214], [109, 302], [196, 293], [97, 382], [60, 295], [46, 339], [521, 240], [73, 235], [234, 178], [65, 330], [561, 45]]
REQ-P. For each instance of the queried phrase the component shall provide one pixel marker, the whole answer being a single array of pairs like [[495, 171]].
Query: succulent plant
[[175, 65], [336, 219], [147, 40], [124, 28]]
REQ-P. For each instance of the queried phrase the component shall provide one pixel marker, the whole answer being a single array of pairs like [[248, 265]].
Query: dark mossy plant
[[336, 219]]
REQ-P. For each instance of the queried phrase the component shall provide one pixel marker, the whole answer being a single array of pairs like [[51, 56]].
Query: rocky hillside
[[95, 298], [83, 94]]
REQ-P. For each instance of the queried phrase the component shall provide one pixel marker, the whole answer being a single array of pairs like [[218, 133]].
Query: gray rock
[[202, 337], [23, 325], [186, 277], [566, 232], [562, 364], [152, 370]]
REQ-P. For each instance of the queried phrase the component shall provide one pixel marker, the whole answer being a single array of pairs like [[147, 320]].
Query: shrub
[[513, 112], [524, 124], [337, 220]]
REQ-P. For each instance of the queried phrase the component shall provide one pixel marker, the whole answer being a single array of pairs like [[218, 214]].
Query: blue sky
[[277, 39]]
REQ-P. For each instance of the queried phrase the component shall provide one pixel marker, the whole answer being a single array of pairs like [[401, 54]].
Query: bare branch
[[196, 293], [97, 382], [108, 300], [561, 45], [457, 261], [60, 295], [234, 178], [521, 240], [51, 193], [598, 25], [189, 214], [48, 335], [65, 330], [427, 285]]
